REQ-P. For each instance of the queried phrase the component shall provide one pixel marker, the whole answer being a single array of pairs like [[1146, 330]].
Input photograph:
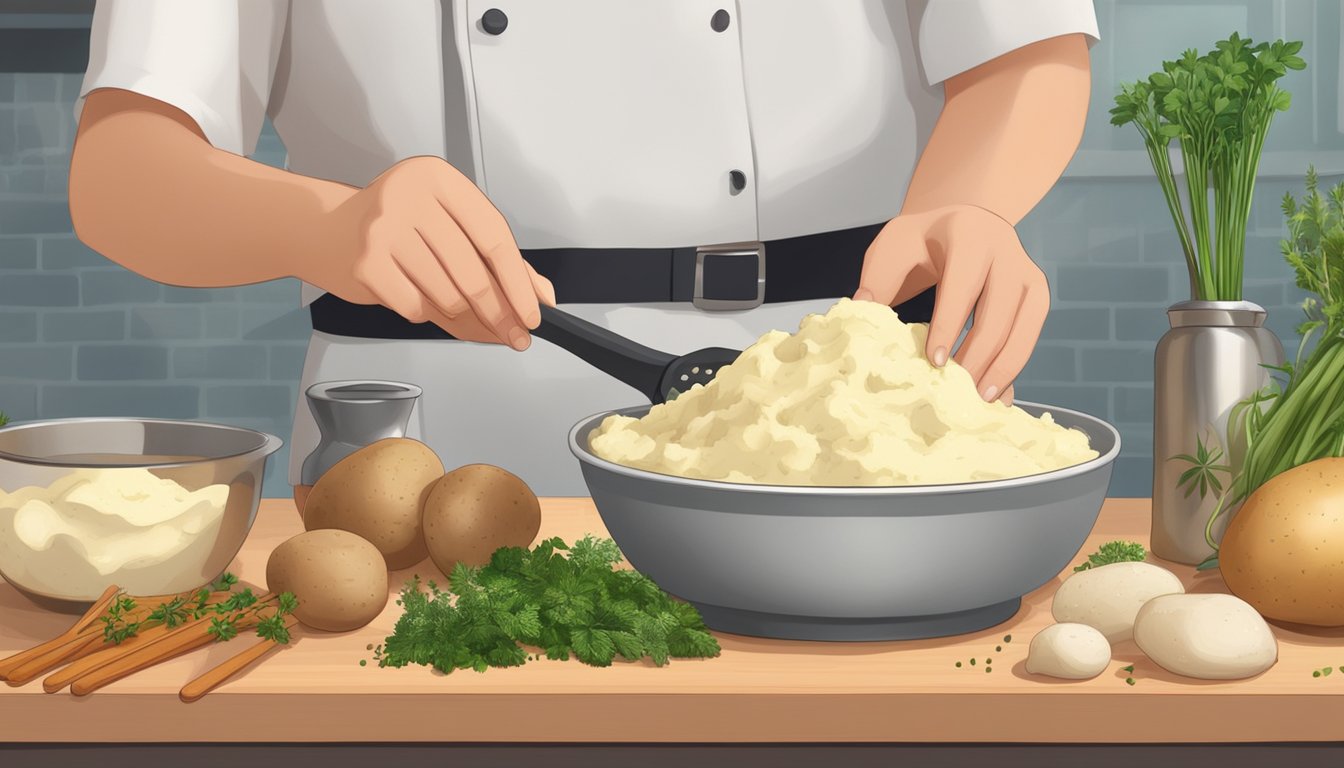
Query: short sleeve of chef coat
[[957, 35], [213, 59]]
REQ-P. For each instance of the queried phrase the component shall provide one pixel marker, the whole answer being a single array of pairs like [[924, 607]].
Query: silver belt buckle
[[754, 249]]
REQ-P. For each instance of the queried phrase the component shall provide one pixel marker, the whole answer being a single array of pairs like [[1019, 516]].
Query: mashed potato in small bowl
[[832, 484]]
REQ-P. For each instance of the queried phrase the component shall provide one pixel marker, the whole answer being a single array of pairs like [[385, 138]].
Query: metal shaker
[[1212, 358], [349, 416]]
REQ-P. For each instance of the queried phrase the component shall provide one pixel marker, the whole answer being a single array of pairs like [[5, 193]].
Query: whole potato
[[1108, 597], [474, 510], [1283, 552], [339, 579], [377, 493]]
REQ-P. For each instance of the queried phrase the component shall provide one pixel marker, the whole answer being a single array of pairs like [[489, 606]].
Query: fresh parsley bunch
[[1218, 107], [576, 604]]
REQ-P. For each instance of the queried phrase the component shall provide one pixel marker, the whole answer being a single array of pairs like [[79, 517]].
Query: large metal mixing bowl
[[853, 563], [49, 562]]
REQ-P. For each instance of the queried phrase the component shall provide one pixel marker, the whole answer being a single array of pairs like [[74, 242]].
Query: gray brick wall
[[81, 336]]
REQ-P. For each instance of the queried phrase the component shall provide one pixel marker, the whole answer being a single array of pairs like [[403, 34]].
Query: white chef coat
[[588, 123]]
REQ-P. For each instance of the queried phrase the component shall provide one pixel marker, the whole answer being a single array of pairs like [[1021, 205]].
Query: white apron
[[486, 403]]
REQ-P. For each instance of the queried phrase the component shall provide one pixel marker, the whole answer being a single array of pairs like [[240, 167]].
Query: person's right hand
[[423, 240]]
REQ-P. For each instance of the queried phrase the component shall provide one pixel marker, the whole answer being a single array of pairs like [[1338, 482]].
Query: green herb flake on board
[[1129, 681], [565, 600]]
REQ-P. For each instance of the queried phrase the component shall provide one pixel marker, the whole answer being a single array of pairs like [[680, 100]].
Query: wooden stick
[[230, 667], [83, 645], [176, 643], [100, 605], [104, 654]]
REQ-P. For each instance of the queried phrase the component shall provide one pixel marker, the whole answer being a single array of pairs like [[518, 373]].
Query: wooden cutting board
[[758, 690]]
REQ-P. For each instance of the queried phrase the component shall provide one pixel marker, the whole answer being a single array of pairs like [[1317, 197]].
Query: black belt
[[822, 266]]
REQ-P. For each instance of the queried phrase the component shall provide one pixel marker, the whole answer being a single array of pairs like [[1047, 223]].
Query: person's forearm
[[150, 193], [1007, 130]]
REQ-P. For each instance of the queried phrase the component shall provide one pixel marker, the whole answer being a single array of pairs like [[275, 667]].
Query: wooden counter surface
[[757, 691]]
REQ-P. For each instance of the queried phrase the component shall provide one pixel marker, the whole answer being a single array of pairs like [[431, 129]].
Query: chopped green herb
[[998, 649], [1007, 638], [363, 662], [1316, 673], [1130, 668], [1114, 552], [565, 605], [958, 664], [989, 669], [1129, 681], [972, 662], [989, 661]]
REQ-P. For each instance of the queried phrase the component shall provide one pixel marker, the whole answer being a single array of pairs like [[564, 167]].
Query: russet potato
[[377, 493], [1283, 552], [474, 510], [339, 579]]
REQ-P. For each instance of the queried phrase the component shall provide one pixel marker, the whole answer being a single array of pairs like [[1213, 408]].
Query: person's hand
[[977, 262], [424, 241]]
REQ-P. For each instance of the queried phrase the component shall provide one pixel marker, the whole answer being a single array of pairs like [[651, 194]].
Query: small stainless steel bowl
[[851, 563], [51, 566]]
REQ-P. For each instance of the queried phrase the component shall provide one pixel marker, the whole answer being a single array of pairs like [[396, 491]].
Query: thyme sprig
[[124, 619]]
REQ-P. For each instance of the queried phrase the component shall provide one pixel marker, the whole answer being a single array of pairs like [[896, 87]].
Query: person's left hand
[[977, 262]]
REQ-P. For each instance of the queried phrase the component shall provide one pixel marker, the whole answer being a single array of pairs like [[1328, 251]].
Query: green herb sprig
[[576, 605], [1218, 107], [1114, 552], [120, 624]]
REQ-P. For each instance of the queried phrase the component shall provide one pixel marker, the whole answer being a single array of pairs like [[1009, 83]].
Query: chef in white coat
[[453, 164]]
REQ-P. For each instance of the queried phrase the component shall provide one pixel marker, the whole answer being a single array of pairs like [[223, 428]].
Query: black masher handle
[[635, 364]]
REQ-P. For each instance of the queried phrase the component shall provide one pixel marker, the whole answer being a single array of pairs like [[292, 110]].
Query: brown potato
[[377, 493], [1284, 550], [339, 579], [474, 510]]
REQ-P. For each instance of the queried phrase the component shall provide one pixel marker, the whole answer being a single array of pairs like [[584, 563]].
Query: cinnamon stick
[[231, 666], [177, 642], [97, 655], [82, 645], [8, 664]]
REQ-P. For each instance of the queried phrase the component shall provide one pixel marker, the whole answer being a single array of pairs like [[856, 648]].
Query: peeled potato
[[339, 579], [1283, 552], [1211, 637], [1068, 651], [474, 510], [1108, 597], [377, 493]]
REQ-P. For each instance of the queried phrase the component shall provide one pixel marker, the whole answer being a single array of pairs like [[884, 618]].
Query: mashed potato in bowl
[[848, 400]]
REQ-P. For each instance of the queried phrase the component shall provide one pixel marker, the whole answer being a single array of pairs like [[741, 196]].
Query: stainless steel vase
[[349, 416], [1212, 358]]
